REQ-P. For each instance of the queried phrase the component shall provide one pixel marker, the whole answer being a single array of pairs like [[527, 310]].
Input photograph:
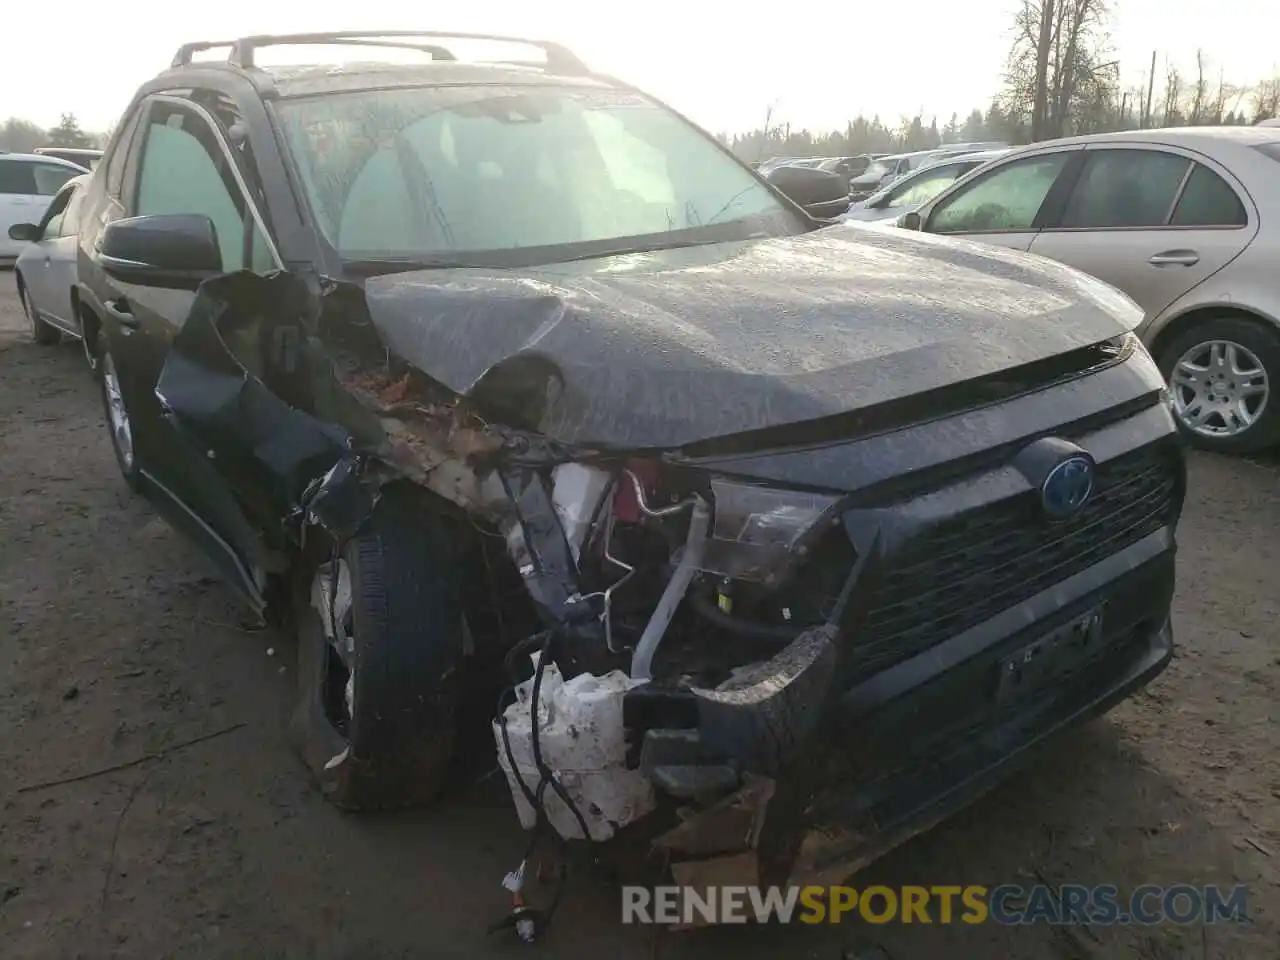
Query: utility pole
[[1151, 89]]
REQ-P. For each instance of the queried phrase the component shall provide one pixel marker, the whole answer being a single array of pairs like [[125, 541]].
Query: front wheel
[[119, 426], [1222, 375], [380, 644], [42, 333]]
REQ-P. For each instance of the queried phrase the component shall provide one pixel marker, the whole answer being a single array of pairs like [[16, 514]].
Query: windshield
[[444, 174]]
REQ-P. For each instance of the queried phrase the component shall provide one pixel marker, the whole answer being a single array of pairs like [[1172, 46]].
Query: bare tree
[[1055, 71], [1199, 93], [1266, 99], [1172, 114], [20, 136], [764, 137]]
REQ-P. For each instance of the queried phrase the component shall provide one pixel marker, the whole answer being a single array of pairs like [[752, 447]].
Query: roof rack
[[559, 58]]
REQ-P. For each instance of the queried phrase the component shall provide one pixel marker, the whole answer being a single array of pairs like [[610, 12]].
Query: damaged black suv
[[503, 372]]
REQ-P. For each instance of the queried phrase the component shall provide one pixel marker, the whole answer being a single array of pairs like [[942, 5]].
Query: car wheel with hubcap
[[1223, 375], [42, 333], [119, 426], [380, 645]]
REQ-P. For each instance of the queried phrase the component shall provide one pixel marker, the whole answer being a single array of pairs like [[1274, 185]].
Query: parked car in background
[[848, 167], [884, 171], [917, 187], [1184, 221], [81, 156], [878, 173], [46, 268], [27, 183]]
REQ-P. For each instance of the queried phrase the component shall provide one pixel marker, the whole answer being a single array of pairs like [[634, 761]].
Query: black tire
[[41, 332], [407, 627], [126, 459], [1263, 341]]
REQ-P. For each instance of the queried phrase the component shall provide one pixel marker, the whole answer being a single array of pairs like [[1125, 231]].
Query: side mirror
[[25, 232], [911, 221], [822, 194], [174, 250]]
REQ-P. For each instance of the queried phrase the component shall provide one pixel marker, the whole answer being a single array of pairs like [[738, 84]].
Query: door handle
[[1175, 258], [121, 313]]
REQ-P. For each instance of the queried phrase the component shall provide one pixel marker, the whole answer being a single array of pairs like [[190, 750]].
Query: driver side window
[[54, 215], [923, 188], [1007, 199], [184, 170]]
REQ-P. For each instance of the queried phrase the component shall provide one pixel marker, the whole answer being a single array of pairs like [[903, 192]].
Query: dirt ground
[[115, 643]]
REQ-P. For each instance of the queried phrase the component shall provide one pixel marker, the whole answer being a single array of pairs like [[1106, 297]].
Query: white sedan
[[46, 268]]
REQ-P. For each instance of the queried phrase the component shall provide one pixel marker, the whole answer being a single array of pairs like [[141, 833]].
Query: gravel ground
[[116, 643]]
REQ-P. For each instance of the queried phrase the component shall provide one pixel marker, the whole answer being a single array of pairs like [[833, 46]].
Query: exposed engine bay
[[679, 654], [673, 633]]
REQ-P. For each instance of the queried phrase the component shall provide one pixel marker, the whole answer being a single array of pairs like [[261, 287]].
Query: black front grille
[[970, 568]]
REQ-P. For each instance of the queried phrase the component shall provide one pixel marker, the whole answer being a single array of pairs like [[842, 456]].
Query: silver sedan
[[46, 268], [1184, 221]]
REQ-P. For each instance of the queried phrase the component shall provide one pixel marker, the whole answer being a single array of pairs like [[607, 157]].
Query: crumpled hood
[[658, 350]]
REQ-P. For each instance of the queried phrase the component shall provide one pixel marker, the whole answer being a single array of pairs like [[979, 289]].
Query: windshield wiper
[[405, 264], [654, 246]]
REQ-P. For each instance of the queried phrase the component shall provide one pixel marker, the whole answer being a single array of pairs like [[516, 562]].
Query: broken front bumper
[[919, 741]]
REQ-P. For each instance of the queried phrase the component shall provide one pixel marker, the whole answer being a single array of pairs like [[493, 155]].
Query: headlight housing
[[757, 531]]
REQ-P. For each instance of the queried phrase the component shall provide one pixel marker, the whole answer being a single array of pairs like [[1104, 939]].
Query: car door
[[49, 265], [180, 163], [31, 260], [60, 263], [1006, 204], [1152, 221]]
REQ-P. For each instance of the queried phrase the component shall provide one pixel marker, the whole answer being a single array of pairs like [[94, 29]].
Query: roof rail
[[558, 57]]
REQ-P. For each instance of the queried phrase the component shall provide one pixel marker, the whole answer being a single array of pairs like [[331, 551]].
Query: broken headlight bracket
[[537, 545], [759, 531]]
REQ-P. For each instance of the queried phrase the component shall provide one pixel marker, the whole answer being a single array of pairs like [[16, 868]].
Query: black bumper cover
[[921, 740]]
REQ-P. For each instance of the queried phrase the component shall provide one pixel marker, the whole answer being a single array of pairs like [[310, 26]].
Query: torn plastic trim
[[542, 554], [238, 323], [261, 402], [769, 712]]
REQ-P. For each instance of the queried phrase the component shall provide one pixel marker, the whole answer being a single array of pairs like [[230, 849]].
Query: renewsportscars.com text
[[1008, 904]]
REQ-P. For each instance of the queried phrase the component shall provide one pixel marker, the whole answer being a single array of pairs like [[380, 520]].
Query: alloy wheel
[[117, 415], [332, 601], [1219, 388]]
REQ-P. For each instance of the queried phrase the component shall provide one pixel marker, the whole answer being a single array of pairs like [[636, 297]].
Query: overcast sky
[[722, 63]]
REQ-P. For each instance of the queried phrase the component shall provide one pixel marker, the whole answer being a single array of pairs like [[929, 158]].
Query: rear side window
[[16, 176], [1125, 188], [1208, 201]]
